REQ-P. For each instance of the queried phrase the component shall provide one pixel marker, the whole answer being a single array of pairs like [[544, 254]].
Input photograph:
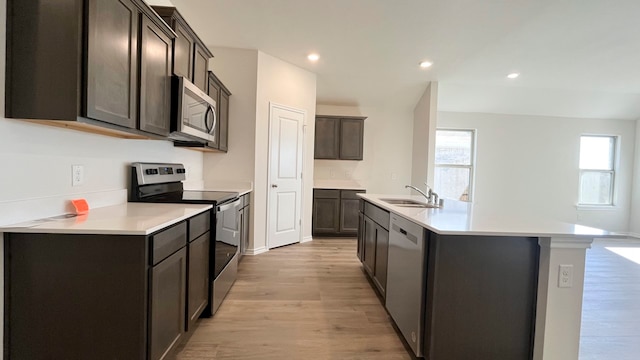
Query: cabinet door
[[183, 52], [198, 278], [214, 89], [382, 250], [349, 209], [245, 227], [326, 138], [168, 286], [223, 121], [112, 62], [200, 68], [155, 79], [360, 236], [351, 139], [325, 216], [369, 246]]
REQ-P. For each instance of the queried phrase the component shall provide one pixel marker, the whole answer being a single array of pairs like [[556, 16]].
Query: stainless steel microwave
[[193, 113]]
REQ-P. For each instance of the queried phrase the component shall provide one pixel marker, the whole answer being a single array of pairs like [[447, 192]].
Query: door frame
[[272, 106]]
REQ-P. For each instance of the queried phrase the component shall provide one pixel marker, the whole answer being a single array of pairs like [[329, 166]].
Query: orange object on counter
[[81, 206]]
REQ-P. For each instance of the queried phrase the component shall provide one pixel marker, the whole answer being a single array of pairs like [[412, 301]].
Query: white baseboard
[[306, 239], [258, 251]]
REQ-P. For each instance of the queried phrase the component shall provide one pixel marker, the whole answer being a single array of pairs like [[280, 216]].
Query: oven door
[[227, 234]]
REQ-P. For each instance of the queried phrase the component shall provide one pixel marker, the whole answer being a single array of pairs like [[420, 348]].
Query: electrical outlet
[[565, 276], [77, 175]]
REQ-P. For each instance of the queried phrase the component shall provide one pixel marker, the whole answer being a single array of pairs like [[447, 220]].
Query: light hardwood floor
[[611, 305], [303, 301]]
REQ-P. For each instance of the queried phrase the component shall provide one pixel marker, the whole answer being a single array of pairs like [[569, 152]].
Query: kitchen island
[[463, 284]]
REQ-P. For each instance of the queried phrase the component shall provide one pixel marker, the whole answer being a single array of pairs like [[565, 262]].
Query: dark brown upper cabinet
[[83, 66], [218, 92], [339, 138], [191, 56]]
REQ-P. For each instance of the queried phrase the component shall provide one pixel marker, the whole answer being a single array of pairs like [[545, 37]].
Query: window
[[454, 163], [597, 169]]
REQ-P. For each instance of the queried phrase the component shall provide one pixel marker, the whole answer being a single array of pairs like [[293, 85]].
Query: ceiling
[[577, 58]]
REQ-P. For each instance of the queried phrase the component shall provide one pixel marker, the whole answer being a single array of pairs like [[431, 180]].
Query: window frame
[[614, 165], [472, 157]]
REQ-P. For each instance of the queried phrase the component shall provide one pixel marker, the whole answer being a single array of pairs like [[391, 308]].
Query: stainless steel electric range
[[162, 183]]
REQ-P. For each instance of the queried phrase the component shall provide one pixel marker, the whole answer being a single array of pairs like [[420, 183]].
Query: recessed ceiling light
[[425, 64], [513, 75], [313, 57]]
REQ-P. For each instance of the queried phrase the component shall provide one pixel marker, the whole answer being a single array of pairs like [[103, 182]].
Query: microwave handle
[[206, 119]]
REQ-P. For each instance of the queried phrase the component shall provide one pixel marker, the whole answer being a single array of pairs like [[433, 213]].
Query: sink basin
[[408, 203]]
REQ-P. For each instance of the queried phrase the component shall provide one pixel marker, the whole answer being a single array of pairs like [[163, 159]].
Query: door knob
[[274, 185]]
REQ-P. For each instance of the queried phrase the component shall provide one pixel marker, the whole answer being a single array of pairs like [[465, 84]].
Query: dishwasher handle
[[409, 236]]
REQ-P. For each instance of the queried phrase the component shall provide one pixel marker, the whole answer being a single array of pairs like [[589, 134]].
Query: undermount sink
[[408, 203]]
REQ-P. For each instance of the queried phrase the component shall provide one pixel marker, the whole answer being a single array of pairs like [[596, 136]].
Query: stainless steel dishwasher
[[405, 299]]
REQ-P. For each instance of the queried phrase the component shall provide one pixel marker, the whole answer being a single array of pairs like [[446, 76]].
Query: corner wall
[[529, 165], [238, 71], [386, 164], [634, 218], [424, 138], [285, 84]]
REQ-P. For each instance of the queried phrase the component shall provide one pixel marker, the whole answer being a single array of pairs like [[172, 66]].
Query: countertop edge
[[374, 199], [42, 229]]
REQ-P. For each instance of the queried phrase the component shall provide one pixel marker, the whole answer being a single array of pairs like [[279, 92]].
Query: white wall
[[386, 163], [424, 137], [634, 218], [238, 71], [284, 84], [529, 165], [36, 160]]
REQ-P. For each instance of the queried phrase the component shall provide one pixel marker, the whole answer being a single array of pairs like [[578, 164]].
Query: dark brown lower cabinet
[[325, 216], [375, 248], [382, 250], [369, 245], [360, 236], [335, 212], [198, 296], [168, 290], [92, 296]]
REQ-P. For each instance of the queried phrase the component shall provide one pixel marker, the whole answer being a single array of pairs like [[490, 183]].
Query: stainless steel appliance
[[193, 113], [162, 183], [405, 298]]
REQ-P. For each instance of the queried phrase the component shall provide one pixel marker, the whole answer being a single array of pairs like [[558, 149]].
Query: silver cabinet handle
[[274, 185]]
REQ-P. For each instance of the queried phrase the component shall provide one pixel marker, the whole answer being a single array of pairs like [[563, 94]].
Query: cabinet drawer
[[199, 224], [246, 199], [168, 241], [376, 214], [326, 194], [351, 194]]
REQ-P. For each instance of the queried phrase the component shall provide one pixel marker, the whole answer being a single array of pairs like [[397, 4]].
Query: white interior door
[[285, 176]]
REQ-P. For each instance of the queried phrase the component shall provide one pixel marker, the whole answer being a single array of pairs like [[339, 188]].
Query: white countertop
[[123, 219], [337, 184], [241, 187], [461, 218]]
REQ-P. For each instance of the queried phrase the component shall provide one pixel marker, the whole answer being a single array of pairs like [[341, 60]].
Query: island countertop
[[123, 219], [462, 218]]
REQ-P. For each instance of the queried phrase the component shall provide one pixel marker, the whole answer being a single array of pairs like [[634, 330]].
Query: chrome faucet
[[431, 196], [426, 195]]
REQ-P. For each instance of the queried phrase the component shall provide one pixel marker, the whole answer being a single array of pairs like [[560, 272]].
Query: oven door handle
[[228, 206]]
